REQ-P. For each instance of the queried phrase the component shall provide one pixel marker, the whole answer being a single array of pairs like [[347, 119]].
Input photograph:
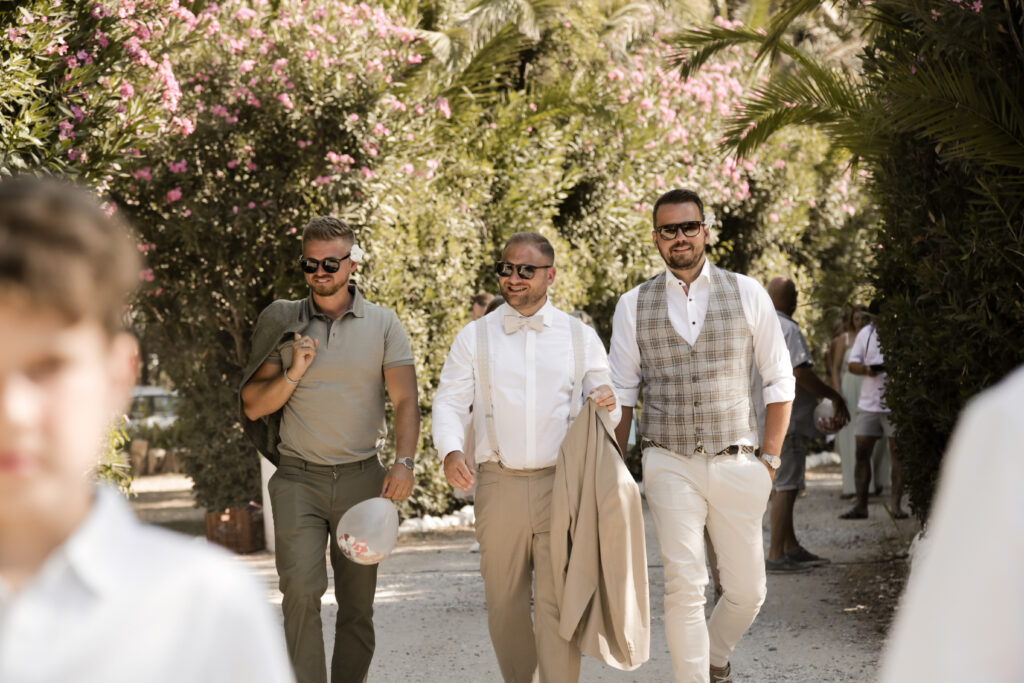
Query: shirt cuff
[[447, 444], [780, 391], [626, 397]]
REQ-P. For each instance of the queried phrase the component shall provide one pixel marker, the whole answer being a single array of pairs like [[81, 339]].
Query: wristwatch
[[408, 462], [773, 460]]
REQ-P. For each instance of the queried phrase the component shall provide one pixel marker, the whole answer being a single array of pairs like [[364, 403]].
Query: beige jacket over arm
[[597, 546]]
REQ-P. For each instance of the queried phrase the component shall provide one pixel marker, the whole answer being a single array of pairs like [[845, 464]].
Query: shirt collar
[[547, 311], [91, 553], [357, 306], [705, 274]]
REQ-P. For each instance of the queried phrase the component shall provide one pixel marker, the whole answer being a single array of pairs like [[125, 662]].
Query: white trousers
[[728, 494]]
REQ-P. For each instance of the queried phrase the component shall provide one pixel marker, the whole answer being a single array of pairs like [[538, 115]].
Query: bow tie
[[515, 322]]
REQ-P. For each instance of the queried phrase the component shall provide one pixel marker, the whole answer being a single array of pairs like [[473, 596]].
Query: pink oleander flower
[[244, 14], [773, 217], [247, 65], [67, 130], [251, 166], [143, 174], [322, 179], [172, 93], [77, 113], [177, 166], [353, 117], [367, 173], [408, 169], [443, 107], [285, 101], [185, 125], [127, 90], [146, 275], [173, 195]]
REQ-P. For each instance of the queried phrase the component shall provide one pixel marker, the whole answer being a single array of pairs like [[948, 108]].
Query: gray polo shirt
[[336, 413], [801, 420]]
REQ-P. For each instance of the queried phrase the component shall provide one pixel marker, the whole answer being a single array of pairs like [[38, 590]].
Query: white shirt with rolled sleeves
[[686, 312], [866, 350], [121, 602], [531, 384]]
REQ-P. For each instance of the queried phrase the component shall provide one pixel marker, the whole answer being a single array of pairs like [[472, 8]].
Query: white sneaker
[[475, 548]]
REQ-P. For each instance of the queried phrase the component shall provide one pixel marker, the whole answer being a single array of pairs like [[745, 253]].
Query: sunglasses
[[330, 264], [526, 271], [689, 228]]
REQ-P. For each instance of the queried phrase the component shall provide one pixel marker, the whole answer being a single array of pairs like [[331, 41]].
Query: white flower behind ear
[[709, 223], [357, 254]]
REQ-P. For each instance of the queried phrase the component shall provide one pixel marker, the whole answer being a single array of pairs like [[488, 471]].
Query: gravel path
[[824, 625]]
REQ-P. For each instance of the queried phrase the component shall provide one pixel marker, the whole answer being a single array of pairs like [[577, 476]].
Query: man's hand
[[303, 353], [398, 483], [771, 470], [460, 470], [604, 396], [840, 411]]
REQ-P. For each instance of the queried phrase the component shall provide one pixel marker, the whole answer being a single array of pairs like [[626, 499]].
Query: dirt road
[[825, 625]]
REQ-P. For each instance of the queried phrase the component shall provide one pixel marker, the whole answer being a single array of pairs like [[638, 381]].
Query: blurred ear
[[123, 370], [552, 271]]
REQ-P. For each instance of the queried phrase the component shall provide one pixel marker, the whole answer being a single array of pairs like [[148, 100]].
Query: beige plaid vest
[[699, 395]]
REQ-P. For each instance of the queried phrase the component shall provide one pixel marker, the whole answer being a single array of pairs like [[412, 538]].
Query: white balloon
[[824, 420], [368, 531]]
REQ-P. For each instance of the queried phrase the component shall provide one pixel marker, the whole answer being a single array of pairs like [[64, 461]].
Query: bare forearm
[[262, 397], [776, 421], [407, 428], [859, 369], [810, 381], [622, 429]]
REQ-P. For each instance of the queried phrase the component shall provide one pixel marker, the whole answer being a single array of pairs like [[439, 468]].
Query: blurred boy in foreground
[[87, 593]]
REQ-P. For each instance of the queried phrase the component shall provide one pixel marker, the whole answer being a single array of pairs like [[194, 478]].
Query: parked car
[[153, 407]]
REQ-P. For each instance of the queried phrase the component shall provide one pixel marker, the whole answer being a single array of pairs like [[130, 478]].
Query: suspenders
[[484, 377]]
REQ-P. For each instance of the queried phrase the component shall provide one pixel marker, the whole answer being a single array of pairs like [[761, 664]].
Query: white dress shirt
[[686, 312], [866, 350], [123, 602], [531, 384], [961, 617]]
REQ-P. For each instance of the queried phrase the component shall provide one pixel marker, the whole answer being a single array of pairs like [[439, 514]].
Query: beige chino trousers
[[513, 526]]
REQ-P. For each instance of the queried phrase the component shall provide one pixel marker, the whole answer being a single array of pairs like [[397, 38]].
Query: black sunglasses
[[689, 228], [330, 264], [526, 271]]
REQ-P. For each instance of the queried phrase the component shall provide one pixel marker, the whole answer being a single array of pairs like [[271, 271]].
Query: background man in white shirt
[[872, 422], [87, 593], [691, 335], [530, 368]]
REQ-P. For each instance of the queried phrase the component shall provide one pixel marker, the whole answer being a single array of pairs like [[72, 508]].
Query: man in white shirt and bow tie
[[517, 372]]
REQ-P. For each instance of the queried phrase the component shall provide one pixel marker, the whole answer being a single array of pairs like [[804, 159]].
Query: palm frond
[[826, 98], [974, 119]]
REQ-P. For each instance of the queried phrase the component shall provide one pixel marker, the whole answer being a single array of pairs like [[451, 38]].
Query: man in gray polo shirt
[[313, 399]]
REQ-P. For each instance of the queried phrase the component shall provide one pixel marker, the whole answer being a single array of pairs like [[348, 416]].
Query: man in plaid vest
[[691, 336]]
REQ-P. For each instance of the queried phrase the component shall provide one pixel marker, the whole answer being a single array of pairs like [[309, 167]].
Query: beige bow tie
[[515, 322]]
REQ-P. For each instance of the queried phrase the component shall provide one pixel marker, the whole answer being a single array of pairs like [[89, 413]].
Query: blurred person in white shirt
[[87, 593], [961, 617]]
